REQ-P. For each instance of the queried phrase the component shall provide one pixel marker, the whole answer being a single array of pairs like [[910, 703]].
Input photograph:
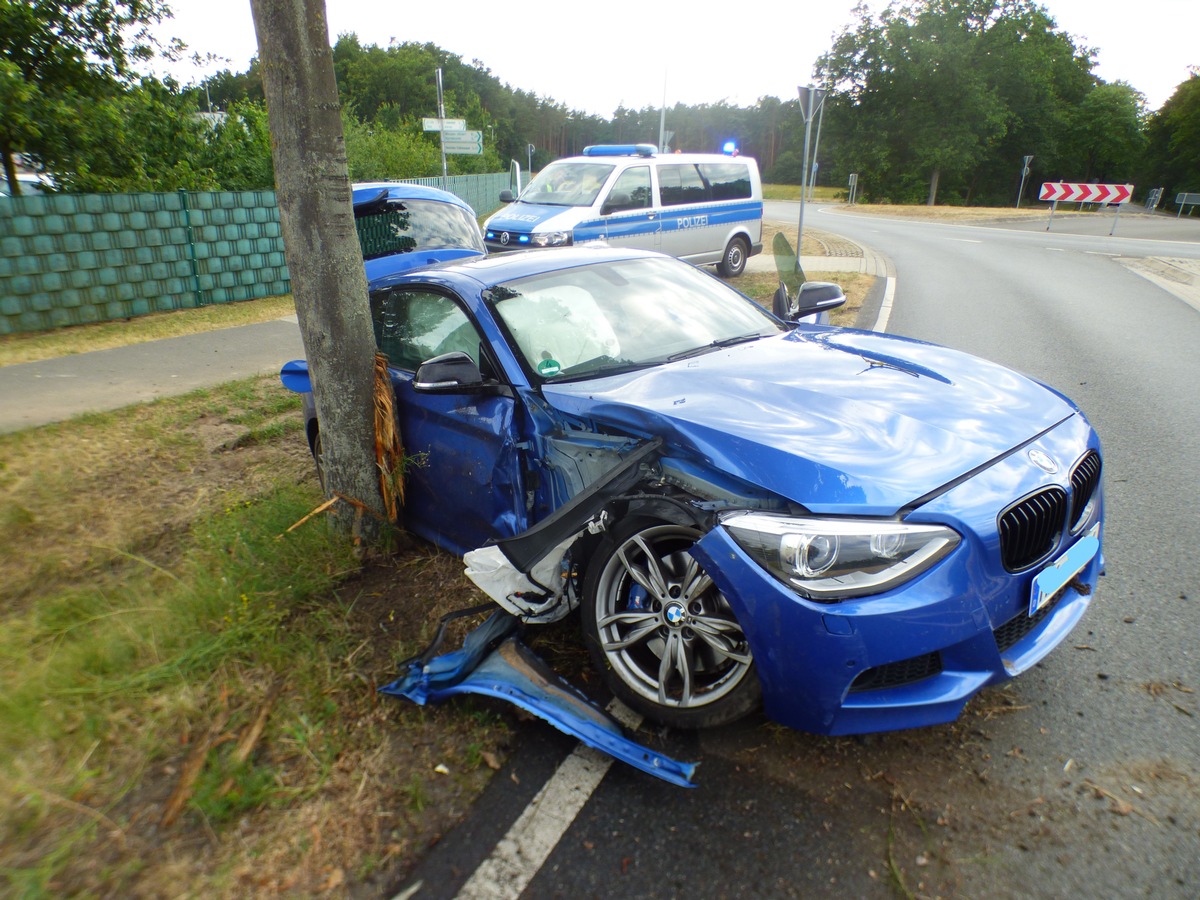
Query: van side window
[[679, 184], [631, 191], [412, 326], [728, 181]]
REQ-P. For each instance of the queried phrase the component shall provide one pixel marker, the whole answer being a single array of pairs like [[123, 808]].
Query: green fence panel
[[74, 259]]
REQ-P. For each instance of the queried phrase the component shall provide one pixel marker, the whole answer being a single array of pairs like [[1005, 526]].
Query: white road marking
[[885, 308], [519, 855]]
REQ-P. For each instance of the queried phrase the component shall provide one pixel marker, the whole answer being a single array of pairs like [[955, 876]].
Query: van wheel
[[661, 633], [733, 263]]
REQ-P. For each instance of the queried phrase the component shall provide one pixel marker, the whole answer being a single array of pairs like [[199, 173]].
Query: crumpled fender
[[493, 662]]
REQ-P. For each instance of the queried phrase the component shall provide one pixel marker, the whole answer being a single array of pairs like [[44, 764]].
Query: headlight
[[550, 238], [833, 559]]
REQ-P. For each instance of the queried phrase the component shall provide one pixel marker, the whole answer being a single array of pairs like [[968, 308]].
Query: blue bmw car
[[405, 226], [854, 531]]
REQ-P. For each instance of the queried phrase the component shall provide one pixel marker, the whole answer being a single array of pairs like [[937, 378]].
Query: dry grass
[[760, 287], [964, 214], [147, 606], [811, 246]]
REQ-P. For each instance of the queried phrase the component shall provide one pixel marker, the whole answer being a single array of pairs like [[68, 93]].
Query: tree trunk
[[933, 185], [10, 170], [324, 259]]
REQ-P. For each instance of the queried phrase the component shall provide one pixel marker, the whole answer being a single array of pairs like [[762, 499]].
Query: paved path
[[51, 390]]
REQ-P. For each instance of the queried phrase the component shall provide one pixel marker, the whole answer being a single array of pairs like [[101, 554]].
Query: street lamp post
[[811, 100]]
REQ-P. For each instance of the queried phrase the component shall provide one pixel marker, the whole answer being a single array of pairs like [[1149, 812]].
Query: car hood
[[833, 419], [523, 217]]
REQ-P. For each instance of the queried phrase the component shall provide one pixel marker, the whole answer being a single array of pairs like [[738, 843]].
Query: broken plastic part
[[524, 574], [538, 597], [494, 663]]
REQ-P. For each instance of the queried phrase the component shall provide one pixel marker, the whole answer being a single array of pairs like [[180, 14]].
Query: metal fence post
[[187, 224]]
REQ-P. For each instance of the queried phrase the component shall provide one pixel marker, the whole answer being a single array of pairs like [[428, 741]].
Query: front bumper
[[913, 656]]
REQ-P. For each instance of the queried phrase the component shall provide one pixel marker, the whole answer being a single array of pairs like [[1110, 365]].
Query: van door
[[630, 216]]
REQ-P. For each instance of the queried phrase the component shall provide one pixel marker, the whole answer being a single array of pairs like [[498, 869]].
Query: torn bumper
[[494, 663]]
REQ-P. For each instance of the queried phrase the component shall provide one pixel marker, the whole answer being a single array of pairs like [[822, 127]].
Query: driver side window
[[412, 326], [630, 191]]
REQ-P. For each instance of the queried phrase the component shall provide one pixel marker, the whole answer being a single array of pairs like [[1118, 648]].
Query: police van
[[705, 208]]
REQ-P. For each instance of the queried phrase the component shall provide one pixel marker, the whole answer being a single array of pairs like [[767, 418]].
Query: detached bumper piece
[[494, 663]]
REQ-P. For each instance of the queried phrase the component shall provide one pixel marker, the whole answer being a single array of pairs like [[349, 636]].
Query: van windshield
[[567, 184]]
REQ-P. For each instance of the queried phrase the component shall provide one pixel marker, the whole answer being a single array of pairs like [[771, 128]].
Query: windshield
[[410, 225], [567, 184], [616, 316]]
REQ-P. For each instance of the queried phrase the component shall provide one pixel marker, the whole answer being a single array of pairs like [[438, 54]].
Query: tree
[[947, 95], [58, 57], [1106, 136], [317, 221], [1173, 157]]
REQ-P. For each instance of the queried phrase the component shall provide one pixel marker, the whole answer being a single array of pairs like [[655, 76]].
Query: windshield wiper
[[716, 345], [615, 367]]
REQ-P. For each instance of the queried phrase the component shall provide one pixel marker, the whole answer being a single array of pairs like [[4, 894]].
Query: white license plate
[[1059, 573]]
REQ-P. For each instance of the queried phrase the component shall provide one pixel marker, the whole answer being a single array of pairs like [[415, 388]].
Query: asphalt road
[[1081, 778]]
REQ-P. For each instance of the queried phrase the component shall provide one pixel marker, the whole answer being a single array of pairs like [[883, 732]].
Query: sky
[[596, 58]]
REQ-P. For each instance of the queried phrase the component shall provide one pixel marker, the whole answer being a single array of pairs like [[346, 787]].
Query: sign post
[[1024, 175], [1185, 200], [1074, 192]]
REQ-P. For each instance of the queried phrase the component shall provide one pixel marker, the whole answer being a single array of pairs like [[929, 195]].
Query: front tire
[[733, 263], [661, 632]]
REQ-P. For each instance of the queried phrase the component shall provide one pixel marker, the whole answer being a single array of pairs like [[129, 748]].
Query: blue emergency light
[[620, 150]]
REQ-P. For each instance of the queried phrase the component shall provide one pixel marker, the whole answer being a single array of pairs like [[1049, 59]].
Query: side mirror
[[615, 203], [813, 299], [448, 373], [507, 196], [818, 297], [295, 377]]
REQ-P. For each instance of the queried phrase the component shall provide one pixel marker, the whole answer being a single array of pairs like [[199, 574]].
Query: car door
[[463, 483], [630, 216]]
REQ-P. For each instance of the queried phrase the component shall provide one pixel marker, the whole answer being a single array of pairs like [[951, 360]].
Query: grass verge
[[189, 704]]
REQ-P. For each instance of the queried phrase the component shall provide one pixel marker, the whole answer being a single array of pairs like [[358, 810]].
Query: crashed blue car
[[854, 531], [407, 226]]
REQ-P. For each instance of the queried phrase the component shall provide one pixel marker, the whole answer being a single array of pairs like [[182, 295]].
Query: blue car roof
[[364, 191], [502, 267]]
